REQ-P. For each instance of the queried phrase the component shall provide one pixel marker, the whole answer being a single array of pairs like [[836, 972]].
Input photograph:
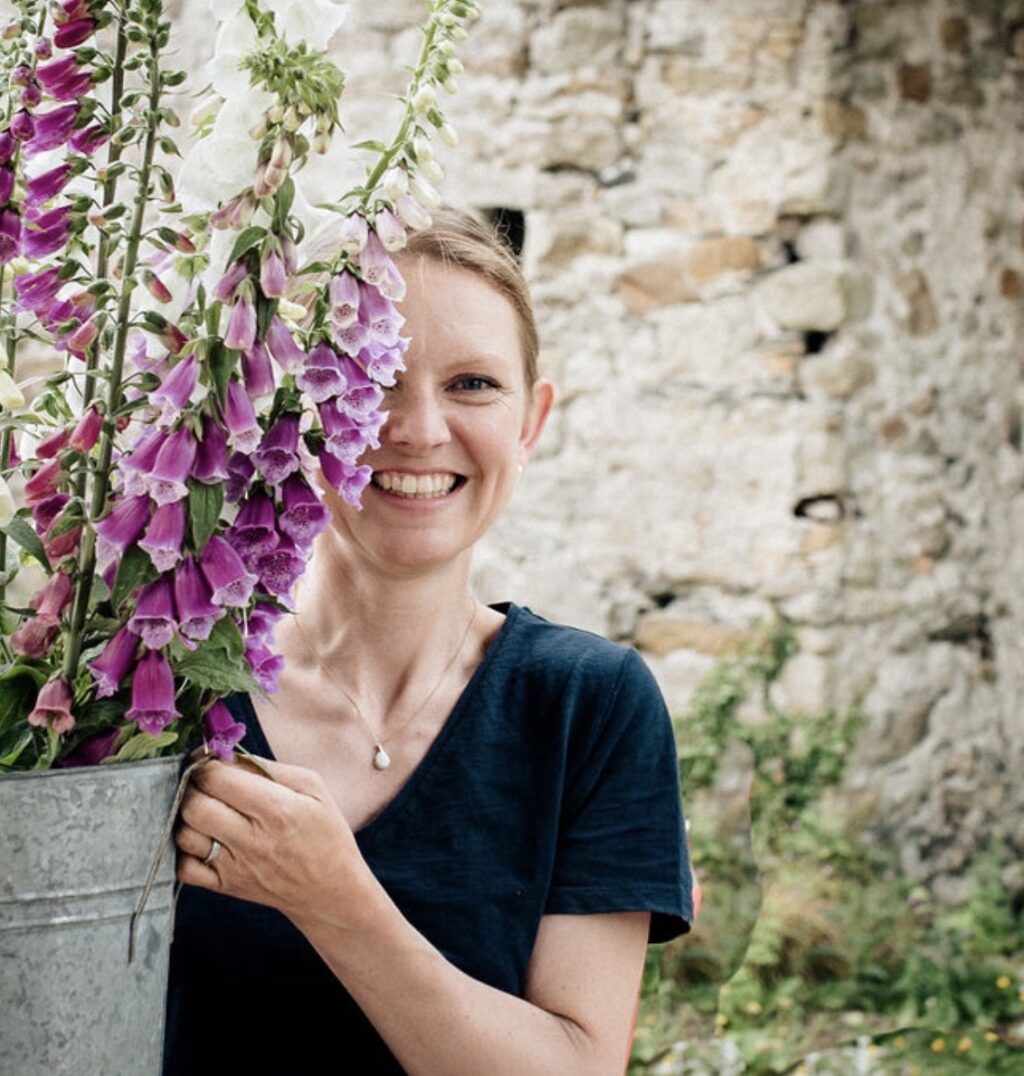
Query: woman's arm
[[286, 844]]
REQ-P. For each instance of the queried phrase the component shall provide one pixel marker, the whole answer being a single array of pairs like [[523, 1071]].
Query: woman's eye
[[472, 383]]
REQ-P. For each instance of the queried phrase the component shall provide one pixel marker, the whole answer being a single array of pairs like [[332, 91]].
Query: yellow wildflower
[[938, 1045], [991, 1036], [1003, 982], [900, 1042], [752, 1007], [964, 1045]]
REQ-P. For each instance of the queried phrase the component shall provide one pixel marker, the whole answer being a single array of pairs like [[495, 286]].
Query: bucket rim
[[91, 771]]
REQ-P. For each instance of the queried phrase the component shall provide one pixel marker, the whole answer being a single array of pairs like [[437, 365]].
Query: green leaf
[[246, 241], [11, 746], [227, 637], [265, 311], [143, 745], [218, 664], [205, 502], [20, 530], [19, 685], [283, 204], [372, 145], [135, 570], [222, 362]]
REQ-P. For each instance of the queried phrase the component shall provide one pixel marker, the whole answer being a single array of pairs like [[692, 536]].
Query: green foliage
[[812, 953]]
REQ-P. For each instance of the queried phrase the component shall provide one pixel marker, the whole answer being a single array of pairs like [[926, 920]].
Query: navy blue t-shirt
[[552, 788]]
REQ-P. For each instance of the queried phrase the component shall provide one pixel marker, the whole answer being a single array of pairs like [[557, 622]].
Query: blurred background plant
[[812, 954]]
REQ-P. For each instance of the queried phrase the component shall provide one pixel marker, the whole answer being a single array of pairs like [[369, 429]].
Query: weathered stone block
[[805, 296], [650, 285], [578, 37], [661, 633], [723, 254]]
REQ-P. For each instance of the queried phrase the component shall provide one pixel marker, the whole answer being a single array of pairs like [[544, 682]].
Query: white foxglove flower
[[312, 21], [11, 397], [7, 506], [237, 36], [215, 170], [223, 9], [424, 193], [411, 213]]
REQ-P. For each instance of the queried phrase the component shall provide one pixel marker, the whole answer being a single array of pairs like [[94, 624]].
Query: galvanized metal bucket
[[75, 849]]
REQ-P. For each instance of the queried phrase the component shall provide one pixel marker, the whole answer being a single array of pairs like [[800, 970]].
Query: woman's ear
[[541, 401]]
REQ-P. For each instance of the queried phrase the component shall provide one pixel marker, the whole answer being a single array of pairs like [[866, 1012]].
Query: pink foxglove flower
[[374, 260], [64, 79], [10, 235], [153, 706], [230, 582], [53, 707], [353, 234], [240, 419], [380, 317], [74, 33], [304, 515], [111, 667], [277, 457], [282, 346], [196, 612], [346, 479], [51, 129], [257, 371], [165, 483], [135, 466], [361, 394], [240, 476], [47, 232], [279, 568], [23, 126], [7, 184], [224, 289], [36, 290], [87, 140], [384, 363], [352, 338], [164, 535], [392, 284], [50, 446], [176, 389], [390, 230], [222, 730], [349, 436], [344, 293], [212, 453], [91, 751], [154, 617], [236, 214], [122, 527], [273, 279], [241, 332], [321, 376], [44, 483], [83, 337], [87, 431], [254, 530], [35, 636], [266, 666]]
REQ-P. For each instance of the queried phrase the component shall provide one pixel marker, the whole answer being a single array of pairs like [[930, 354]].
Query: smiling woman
[[474, 823]]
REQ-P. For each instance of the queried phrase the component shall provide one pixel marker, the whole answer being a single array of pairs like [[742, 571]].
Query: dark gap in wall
[[815, 341], [823, 508], [510, 224], [663, 598], [791, 252]]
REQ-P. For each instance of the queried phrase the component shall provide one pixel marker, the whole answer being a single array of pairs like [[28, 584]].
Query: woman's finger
[[192, 842], [210, 815]]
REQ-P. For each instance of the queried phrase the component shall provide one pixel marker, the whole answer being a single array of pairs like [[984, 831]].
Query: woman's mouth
[[417, 486]]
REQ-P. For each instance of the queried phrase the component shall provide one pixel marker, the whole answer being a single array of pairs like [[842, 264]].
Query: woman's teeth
[[415, 485]]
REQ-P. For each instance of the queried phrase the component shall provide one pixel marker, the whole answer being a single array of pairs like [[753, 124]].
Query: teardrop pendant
[[381, 759]]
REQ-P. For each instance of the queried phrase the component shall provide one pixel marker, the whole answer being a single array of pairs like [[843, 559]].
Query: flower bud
[[7, 506], [446, 132], [353, 233], [424, 98], [424, 193], [21, 75], [394, 182], [291, 121], [11, 397], [411, 213], [432, 170], [321, 142], [292, 311]]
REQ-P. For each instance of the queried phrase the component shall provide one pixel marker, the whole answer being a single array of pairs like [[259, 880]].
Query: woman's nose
[[415, 420]]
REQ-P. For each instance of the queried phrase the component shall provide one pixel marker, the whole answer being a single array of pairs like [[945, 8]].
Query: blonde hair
[[457, 238]]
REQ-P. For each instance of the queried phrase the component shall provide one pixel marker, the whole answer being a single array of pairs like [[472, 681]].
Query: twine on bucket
[[165, 834]]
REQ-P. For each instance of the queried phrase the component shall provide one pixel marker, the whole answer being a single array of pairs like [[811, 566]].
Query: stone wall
[[776, 249]]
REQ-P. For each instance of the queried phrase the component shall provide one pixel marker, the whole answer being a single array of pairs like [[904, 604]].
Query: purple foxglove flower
[[353, 234], [384, 363], [390, 231], [49, 74], [43, 48], [236, 214], [352, 338], [266, 666], [164, 535], [87, 431], [347, 480], [212, 454], [361, 394], [6, 184], [23, 126], [344, 299], [111, 667], [52, 129], [304, 515], [36, 291], [30, 96], [34, 637], [87, 140], [282, 346], [280, 568], [241, 332], [176, 389], [253, 531], [46, 511], [276, 457], [224, 289], [165, 483], [57, 546], [64, 80], [48, 449], [262, 621], [196, 612], [8, 144], [152, 706], [91, 751], [240, 419], [44, 482], [392, 284], [10, 235], [21, 75], [53, 707], [229, 581], [83, 337], [222, 731], [240, 474], [380, 316], [273, 279], [47, 233], [156, 287], [257, 371], [374, 260], [321, 377], [347, 437], [54, 597], [139, 462], [74, 33], [154, 617], [47, 185]]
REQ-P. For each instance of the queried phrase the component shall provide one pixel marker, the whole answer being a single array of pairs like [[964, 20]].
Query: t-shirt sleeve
[[622, 843]]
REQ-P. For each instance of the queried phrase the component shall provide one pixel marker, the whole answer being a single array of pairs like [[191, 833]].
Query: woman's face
[[460, 423]]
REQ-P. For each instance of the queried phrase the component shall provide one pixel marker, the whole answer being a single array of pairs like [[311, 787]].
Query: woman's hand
[[284, 843]]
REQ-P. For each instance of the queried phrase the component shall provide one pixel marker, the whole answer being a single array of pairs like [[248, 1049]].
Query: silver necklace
[[381, 759]]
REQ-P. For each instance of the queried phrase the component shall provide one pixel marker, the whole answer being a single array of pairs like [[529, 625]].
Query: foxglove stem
[[101, 479]]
